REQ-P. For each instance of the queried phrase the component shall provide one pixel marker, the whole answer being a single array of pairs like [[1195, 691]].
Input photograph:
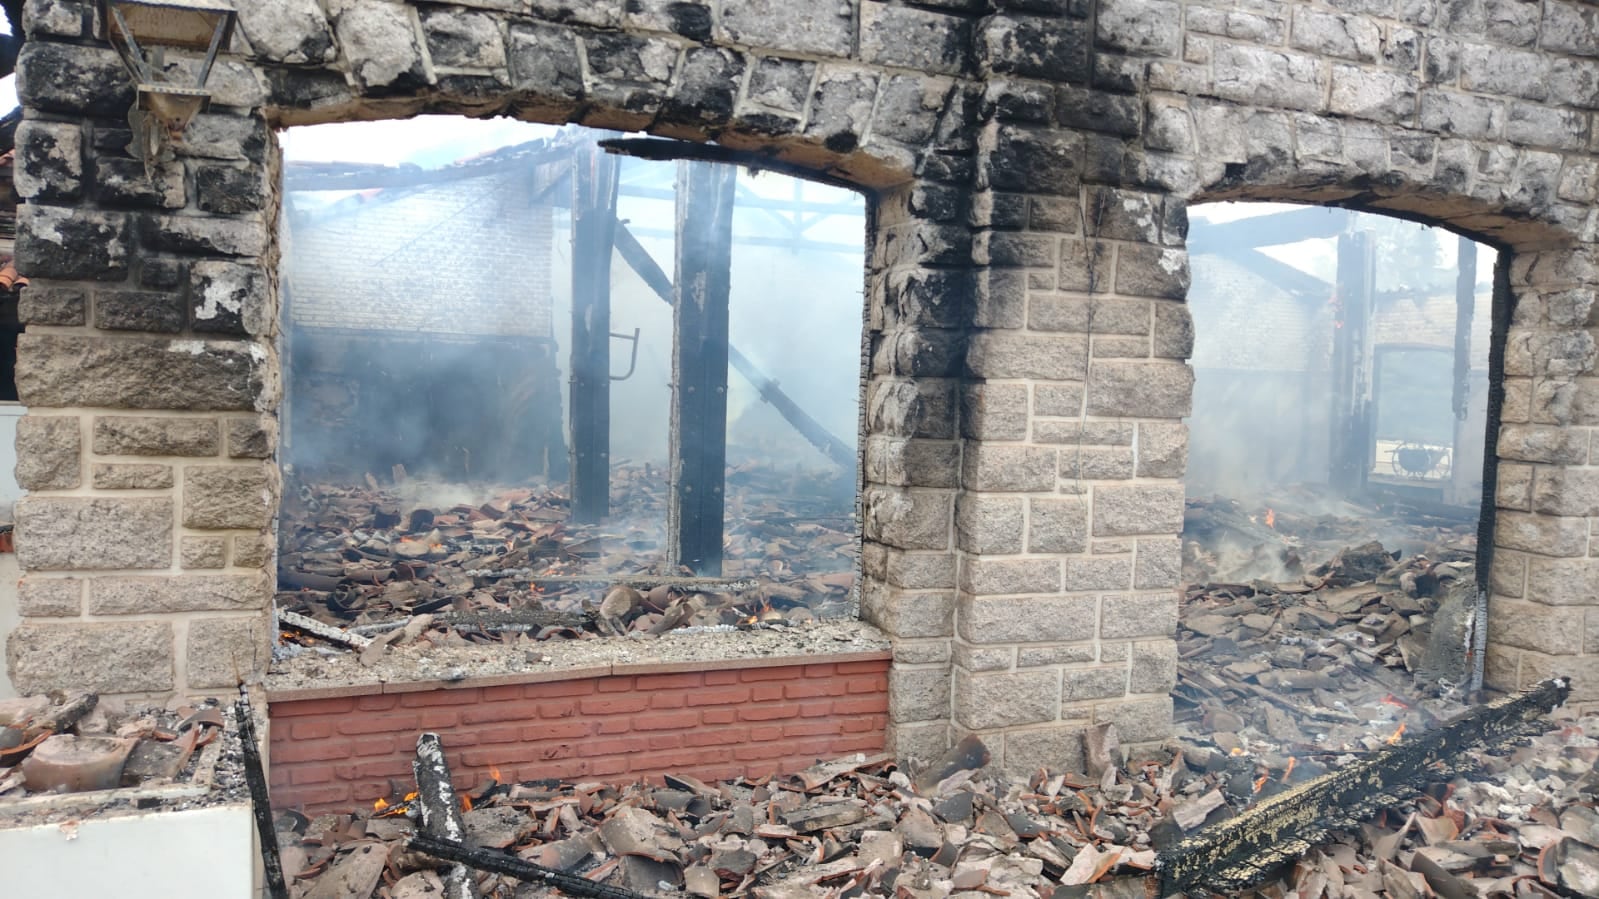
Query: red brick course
[[332, 754]]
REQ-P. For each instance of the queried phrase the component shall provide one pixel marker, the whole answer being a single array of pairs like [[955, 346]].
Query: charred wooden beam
[[1465, 311], [640, 260], [308, 625], [260, 798], [1271, 230], [694, 505], [594, 186], [1238, 852], [1351, 447], [441, 810], [659, 149], [510, 866]]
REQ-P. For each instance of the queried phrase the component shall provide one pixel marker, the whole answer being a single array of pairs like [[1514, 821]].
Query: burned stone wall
[[1030, 163]]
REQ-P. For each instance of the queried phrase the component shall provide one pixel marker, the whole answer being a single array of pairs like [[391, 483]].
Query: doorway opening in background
[[535, 388], [1335, 484]]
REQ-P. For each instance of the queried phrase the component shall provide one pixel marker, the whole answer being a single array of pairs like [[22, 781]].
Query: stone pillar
[[1543, 613], [150, 374]]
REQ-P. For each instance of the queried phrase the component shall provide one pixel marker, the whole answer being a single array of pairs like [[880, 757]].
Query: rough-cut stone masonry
[[1030, 163]]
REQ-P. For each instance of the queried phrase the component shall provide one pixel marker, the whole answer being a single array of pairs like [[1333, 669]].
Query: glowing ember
[[1290, 769], [1261, 782], [1236, 750], [495, 773], [466, 803], [379, 805], [1393, 739], [1391, 699], [1271, 518]]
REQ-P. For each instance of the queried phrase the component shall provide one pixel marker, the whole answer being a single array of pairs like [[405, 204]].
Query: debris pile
[[377, 559], [860, 826], [72, 746]]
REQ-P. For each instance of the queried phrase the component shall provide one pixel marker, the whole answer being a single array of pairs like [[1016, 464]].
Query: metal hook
[[632, 361]]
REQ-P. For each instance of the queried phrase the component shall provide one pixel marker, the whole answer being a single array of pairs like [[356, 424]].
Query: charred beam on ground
[[704, 250], [836, 450], [594, 187], [509, 866], [1236, 853]]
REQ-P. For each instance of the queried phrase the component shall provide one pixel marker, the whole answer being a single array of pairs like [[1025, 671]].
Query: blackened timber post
[[594, 189], [704, 242], [1351, 447]]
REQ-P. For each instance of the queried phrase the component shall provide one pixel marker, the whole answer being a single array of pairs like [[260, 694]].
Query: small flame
[[1236, 751], [466, 803], [1271, 518], [1290, 769], [379, 805], [495, 773], [411, 796], [1261, 782], [1393, 739], [1391, 699]]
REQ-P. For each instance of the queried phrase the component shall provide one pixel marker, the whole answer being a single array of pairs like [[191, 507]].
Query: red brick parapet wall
[[333, 753]]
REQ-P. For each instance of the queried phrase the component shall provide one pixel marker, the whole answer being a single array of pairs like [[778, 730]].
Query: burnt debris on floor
[[1524, 825], [450, 564]]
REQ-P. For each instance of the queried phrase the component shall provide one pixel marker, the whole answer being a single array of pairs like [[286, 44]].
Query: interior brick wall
[[339, 753]]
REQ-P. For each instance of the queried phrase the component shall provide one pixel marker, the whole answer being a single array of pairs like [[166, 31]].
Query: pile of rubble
[[377, 558], [860, 826], [73, 746]]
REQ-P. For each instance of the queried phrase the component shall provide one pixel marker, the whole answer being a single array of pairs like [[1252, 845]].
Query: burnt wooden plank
[[594, 188], [1240, 851], [1351, 446], [699, 366]]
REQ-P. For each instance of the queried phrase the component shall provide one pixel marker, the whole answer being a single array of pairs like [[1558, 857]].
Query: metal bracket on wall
[[632, 360]]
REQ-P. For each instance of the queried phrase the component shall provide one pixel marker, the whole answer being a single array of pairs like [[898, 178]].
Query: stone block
[[1154, 667], [825, 29], [1259, 76], [202, 552], [465, 40], [1088, 684], [1141, 509], [982, 576], [223, 651], [985, 523], [1058, 748], [904, 613], [1084, 433], [1086, 266], [1547, 535], [1151, 271], [1035, 47], [1556, 630], [126, 435], [923, 652], [1509, 575], [924, 407], [125, 182], [230, 298], [1559, 582], [49, 452], [918, 741], [228, 496], [121, 657], [62, 533], [1127, 616], [1566, 491], [229, 190], [287, 31], [544, 60], [782, 84], [1158, 564], [1162, 449], [140, 310], [1006, 699], [1057, 525], [252, 550], [49, 161], [900, 462], [1063, 654], [840, 112], [1027, 619], [136, 373], [56, 18], [252, 438], [1140, 27], [71, 244], [1005, 354], [205, 235], [1174, 331], [1090, 463], [1372, 95], [73, 79], [1137, 722], [189, 593], [225, 136], [1064, 400], [919, 39], [1096, 574], [994, 411], [1009, 468], [1160, 389], [131, 476], [1030, 159], [918, 694], [52, 304], [49, 597], [380, 42], [693, 20], [707, 85], [985, 658]]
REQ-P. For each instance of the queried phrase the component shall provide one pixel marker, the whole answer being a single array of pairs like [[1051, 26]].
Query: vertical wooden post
[[699, 365], [594, 188], [1463, 473], [1351, 438]]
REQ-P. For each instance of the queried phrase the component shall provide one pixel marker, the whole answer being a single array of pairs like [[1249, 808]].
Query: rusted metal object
[[1238, 852]]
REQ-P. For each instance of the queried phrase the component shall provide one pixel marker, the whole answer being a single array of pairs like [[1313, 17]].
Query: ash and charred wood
[[636, 581], [61, 718], [639, 259], [307, 625], [260, 798], [532, 619], [508, 866], [696, 500], [440, 810], [1236, 853]]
